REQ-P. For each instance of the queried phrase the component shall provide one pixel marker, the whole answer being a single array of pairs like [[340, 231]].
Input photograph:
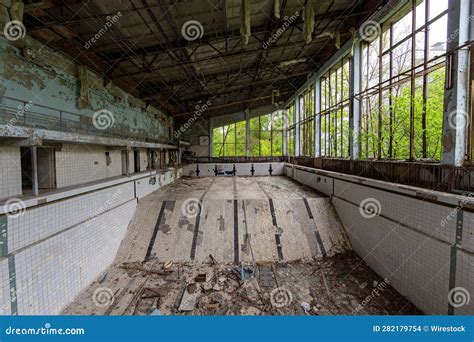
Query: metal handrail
[[46, 117]]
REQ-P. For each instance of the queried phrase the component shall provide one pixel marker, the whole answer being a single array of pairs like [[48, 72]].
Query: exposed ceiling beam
[[213, 108], [226, 90]]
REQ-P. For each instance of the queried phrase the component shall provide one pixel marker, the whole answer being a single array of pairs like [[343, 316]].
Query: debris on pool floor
[[339, 285]]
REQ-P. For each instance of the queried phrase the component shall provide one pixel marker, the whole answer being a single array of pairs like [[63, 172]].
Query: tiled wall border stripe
[[13, 292]]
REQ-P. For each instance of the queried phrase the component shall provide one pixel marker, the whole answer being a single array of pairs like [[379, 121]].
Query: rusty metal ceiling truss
[[145, 53]]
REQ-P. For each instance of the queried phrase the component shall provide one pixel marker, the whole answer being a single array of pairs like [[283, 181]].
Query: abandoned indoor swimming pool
[[194, 255], [296, 242], [237, 158]]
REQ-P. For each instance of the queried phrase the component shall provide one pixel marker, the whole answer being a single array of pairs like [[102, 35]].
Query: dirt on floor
[[339, 285]]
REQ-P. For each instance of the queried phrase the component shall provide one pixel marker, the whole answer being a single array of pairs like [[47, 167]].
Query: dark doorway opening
[[136, 159], [26, 170]]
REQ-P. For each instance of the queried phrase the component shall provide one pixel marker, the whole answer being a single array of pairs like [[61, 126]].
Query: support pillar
[[317, 117], [297, 126], [34, 170], [355, 108], [455, 117], [285, 129], [247, 133], [211, 139]]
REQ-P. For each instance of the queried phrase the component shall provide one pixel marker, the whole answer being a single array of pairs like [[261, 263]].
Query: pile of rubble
[[340, 285]]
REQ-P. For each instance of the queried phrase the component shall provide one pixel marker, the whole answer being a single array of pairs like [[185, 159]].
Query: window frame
[[417, 72]]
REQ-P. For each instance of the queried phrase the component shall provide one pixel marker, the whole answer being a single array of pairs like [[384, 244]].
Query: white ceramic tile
[[4, 288], [79, 164], [10, 171], [53, 272], [40, 222]]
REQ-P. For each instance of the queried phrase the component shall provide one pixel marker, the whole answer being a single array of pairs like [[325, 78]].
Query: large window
[[230, 140], [402, 81], [291, 130], [266, 135], [335, 96], [306, 119], [402, 85]]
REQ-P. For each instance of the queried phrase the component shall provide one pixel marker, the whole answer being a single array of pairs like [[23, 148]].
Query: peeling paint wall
[[49, 80], [192, 135]]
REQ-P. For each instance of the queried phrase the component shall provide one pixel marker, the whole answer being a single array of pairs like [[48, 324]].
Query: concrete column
[[34, 170], [127, 162], [211, 139], [247, 132], [471, 22], [317, 118], [297, 126], [355, 108], [285, 126], [455, 116]]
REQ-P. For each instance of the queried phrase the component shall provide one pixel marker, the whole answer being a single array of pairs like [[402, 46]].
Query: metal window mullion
[[428, 23], [470, 142], [390, 144], [413, 84], [336, 88], [259, 136], [379, 135], [367, 106], [328, 119], [425, 80], [342, 109]]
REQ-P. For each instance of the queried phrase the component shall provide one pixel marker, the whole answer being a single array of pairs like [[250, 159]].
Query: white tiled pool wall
[[241, 169], [407, 243], [145, 186], [58, 248]]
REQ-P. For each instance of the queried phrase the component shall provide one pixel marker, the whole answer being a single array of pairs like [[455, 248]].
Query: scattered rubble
[[329, 286]]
